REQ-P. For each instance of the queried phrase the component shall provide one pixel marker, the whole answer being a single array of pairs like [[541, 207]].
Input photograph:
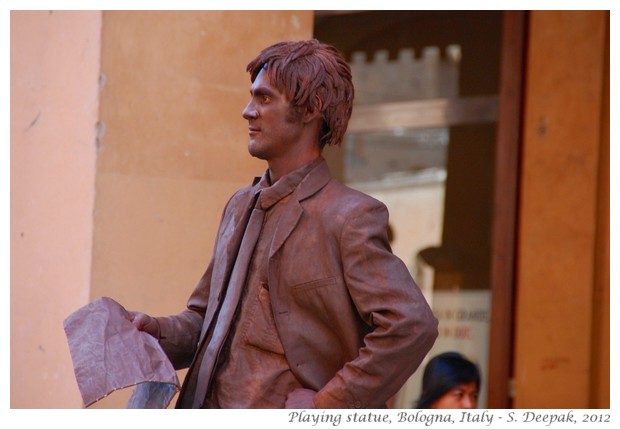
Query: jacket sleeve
[[179, 334], [403, 327]]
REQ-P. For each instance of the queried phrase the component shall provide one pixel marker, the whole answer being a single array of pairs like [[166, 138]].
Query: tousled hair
[[443, 373], [308, 71]]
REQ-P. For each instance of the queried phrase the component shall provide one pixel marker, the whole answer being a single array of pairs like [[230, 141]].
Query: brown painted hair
[[306, 69]]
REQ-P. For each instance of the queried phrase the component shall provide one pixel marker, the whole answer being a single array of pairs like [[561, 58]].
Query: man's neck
[[277, 170]]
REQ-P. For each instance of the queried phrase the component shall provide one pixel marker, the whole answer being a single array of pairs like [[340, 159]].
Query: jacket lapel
[[225, 253], [311, 184]]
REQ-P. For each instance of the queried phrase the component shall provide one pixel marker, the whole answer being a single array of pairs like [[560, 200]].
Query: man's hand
[[300, 398], [144, 323]]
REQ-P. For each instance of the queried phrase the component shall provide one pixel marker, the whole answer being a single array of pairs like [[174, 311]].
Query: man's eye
[[265, 99]]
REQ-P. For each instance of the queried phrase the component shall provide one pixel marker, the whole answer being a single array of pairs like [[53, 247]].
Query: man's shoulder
[[242, 195], [341, 188], [344, 196]]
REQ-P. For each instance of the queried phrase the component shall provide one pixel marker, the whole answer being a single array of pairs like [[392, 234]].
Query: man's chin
[[255, 151]]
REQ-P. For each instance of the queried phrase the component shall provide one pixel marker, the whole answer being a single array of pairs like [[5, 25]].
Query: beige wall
[[127, 208], [54, 108], [175, 146], [558, 244]]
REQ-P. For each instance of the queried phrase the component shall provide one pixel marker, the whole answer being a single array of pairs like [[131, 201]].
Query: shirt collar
[[271, 194]]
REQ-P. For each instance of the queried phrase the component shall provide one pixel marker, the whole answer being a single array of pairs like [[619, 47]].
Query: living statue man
[[303, 304]]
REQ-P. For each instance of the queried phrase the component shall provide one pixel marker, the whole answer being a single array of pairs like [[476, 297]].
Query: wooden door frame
[[505, 205]]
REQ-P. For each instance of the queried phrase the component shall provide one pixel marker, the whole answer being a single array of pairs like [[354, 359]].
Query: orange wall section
[[558, 213], [174, 148], [54, 109], [126, 142]]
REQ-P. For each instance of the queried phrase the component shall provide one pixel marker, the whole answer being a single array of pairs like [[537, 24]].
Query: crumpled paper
[[110, 353]]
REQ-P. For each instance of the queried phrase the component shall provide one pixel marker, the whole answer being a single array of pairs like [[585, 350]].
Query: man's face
[[274, 128]]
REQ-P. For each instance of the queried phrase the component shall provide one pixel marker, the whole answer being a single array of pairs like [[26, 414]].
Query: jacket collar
[[316, 179], [318, 176]]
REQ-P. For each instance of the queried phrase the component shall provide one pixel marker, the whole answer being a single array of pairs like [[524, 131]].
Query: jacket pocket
[[259, 329], [318, 299]]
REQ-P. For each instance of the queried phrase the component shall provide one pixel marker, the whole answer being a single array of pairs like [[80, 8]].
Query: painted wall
[[126, 142], [174, 148], [561, 248], [54, 110]]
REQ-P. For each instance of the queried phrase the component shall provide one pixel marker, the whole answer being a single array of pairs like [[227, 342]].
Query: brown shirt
[[253, 371]]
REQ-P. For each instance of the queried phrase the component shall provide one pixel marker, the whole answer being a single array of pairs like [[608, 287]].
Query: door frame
[[505, 206]]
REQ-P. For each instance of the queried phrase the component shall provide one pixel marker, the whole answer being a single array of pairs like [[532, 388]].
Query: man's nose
[[249, 112]]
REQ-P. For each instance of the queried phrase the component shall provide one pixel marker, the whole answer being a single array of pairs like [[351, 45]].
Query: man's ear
[[314, 111]]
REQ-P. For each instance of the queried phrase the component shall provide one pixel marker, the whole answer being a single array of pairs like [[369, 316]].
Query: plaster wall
[[126, 142], [174, 148], [54, 109]]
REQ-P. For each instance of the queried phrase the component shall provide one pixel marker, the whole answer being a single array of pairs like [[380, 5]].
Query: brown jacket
[[353, 323]]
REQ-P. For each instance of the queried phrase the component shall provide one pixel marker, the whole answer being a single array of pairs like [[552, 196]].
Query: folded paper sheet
[[109, 353]]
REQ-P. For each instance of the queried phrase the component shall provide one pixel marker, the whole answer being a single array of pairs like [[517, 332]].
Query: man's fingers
[[144, 322]]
